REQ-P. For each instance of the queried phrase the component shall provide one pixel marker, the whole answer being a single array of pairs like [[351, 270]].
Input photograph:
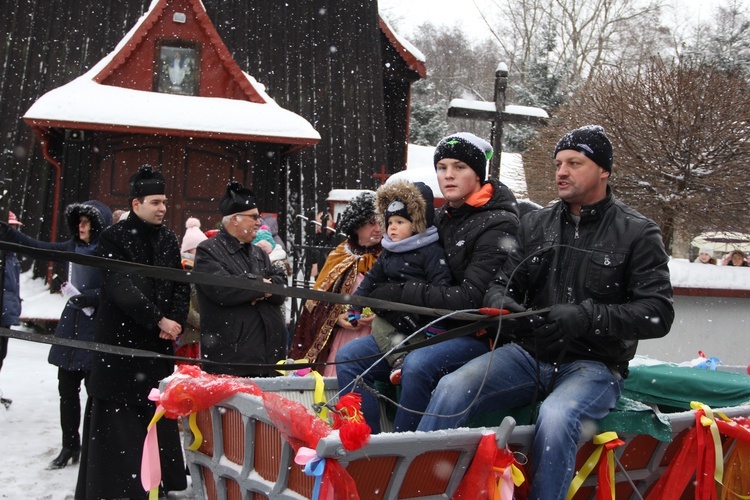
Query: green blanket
[[670, 387], [676, 386]]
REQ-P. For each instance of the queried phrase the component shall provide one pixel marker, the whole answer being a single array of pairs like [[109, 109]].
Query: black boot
[[62, 459]]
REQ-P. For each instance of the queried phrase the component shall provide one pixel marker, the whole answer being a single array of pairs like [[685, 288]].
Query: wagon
[[244, 454]]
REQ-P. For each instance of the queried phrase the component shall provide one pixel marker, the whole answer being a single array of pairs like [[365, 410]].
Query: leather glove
[[405, 323], [388, 291], [504, 302], [353, 315], [78, 300], [564, 321]]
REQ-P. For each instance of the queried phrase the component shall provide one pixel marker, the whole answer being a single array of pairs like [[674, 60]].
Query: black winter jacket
[[614, 264], [233, 330], [420, 263], [476, 241], [130, 309]]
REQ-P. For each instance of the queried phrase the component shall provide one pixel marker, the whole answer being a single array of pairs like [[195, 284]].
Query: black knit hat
[[145, 182], [360, 210], [237, 199], [470, 149], [396, 207], [590, 140], [429, 200]]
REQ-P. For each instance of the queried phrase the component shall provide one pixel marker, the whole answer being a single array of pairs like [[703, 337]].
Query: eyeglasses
[[252, 216]]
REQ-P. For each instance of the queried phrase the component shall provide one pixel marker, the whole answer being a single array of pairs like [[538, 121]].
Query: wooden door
[[196, 172]]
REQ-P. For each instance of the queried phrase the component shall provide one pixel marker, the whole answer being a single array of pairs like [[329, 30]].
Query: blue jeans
[[422, 370], [584, 391]]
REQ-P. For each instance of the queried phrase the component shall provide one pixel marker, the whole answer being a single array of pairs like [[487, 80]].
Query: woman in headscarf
[[323, 327]]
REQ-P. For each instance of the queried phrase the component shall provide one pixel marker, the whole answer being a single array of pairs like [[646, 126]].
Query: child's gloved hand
[[353, 315]]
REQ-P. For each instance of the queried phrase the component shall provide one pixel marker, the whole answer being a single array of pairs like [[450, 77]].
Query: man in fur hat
[[239, 326], [138, 312], [411, 252]]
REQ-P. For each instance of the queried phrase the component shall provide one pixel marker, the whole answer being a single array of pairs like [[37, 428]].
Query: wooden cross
[[498, 113], [383, 176]]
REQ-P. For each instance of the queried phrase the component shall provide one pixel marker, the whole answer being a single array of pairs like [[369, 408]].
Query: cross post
[[498, 113], [383, 176]]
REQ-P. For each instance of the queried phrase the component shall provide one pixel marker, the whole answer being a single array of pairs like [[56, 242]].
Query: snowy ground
[[30, 429]]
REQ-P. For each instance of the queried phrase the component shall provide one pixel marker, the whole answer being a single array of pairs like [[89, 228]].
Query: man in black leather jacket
[[601, 268]]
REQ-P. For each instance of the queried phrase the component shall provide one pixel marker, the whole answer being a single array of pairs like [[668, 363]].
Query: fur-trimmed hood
[[98, 213], [417, 197]]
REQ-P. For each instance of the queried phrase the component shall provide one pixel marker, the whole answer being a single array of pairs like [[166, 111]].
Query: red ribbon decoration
[[487, 470]]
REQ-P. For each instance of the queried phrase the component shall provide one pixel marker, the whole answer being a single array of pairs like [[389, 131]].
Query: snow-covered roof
[[85, 103], [409, 53]]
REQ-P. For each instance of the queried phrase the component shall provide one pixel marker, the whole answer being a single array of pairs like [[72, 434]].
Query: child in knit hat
[[411, 252], [276, 253], [706, 255], [187, 344], [193, 237]]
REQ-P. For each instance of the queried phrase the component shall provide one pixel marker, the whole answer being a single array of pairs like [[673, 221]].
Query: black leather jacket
[[612, 262]]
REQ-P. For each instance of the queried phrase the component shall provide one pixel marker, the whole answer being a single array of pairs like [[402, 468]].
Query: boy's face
[[399, 228], [457, 181]]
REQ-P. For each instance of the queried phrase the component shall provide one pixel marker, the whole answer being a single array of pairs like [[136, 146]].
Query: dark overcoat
[[131, 307], [233, 330]]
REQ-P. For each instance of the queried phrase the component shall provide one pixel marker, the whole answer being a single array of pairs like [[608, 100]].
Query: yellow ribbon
[[318, 391], [319, 395], [157, 416], [197, 434], [707, 420], [592, 461], [517, 474]]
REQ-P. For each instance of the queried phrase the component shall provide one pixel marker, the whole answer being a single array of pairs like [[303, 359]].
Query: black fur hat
[[237, 198], [360, 211], [146, 181]]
